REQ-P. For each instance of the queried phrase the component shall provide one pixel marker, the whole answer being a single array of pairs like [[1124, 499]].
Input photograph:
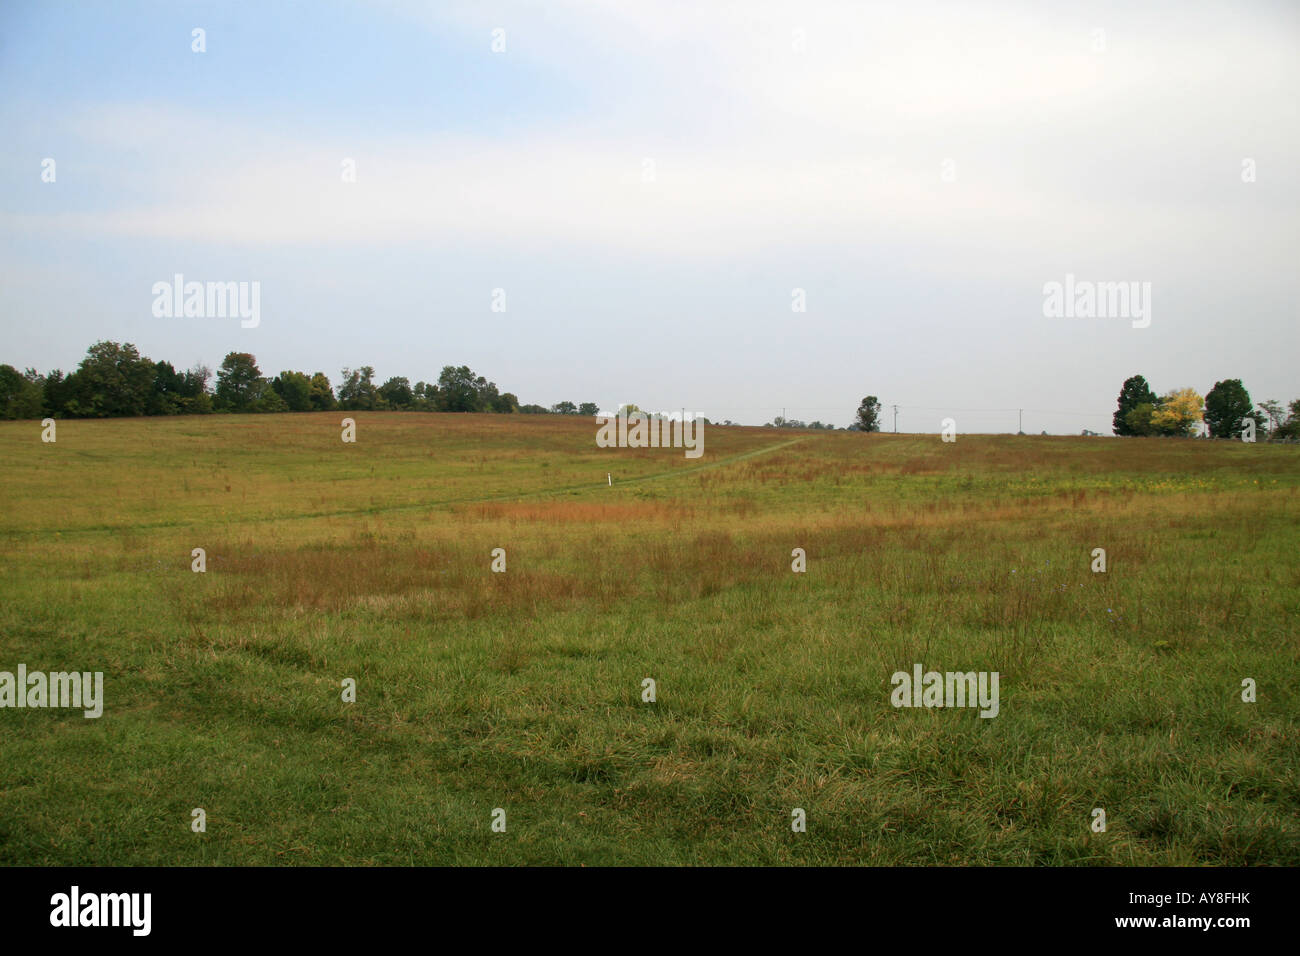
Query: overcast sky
[[649, 182]]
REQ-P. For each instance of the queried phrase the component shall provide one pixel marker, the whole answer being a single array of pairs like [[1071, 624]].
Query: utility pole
[[895, 419], [1022, 421]]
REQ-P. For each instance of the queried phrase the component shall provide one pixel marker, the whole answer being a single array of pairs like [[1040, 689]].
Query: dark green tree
[[357, 391], [1226, 405], [397, 394], [488, 396], [112, 380], [458, 390], [868, 418], [169, 387], [322, 395], [239, 383], [426, 397], [1134, 392], [21, 396], [1138, 420], [294, 389], [58, 392]]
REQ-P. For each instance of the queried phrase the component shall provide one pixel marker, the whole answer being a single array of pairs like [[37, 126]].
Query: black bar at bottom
[[305, 905]]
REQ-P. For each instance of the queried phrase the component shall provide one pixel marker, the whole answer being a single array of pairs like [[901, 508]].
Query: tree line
[[1226, 409], [115, 380]]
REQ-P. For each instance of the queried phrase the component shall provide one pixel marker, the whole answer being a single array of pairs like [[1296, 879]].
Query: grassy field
[[522, 690]]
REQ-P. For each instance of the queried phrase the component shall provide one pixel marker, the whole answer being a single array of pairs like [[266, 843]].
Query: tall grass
[[522, 690]]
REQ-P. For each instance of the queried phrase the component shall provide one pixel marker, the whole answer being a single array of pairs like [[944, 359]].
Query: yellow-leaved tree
[[1178, 413]]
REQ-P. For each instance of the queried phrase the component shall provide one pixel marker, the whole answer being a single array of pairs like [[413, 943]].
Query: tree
[[321, 394], [1135, 392], [488, 396], [357, 390], [267, 398], [294, 388], [868, 418], [168, 388], [425, 397], [349, 385], [1178, 413], [458, 390], [564, 408], [396, 393], [195, 397], [1226, 405], [1273, 409], [58, 393], [179, 393], [201, 375], [21, 396], [239, 382], [506, 404], [112, 380], [1291, 427], [590, 409], [1137, 420]]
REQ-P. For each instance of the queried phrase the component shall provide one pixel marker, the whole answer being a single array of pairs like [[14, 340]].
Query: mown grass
[[522, 690]]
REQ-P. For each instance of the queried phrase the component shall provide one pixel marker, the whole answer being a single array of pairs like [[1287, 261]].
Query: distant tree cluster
[[114, 380], [589, 409], [1225, 409], [779, 422]]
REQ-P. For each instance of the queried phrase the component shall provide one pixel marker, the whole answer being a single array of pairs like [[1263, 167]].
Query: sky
[[650, 183]]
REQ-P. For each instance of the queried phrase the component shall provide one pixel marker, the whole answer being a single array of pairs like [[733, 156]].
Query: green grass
[[522, 690]]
